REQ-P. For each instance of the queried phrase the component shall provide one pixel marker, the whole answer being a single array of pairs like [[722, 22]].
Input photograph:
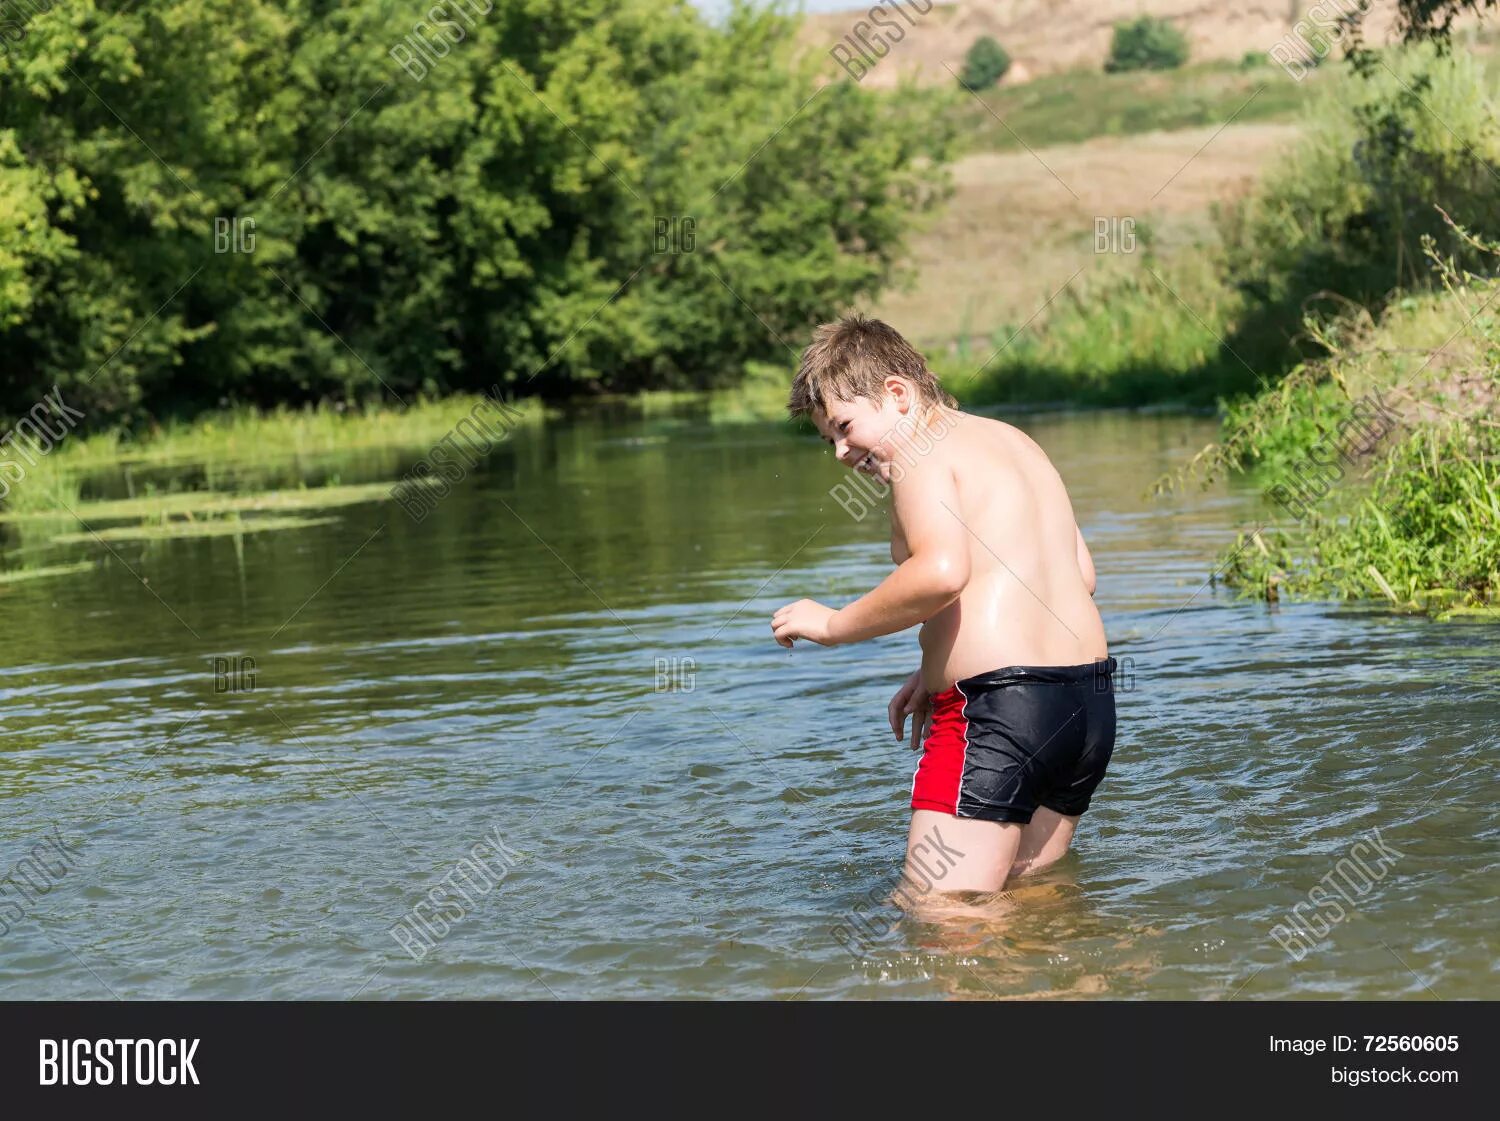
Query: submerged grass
[[208, 503], [243, 446], [215, 476], [42, 572], [218, 527]]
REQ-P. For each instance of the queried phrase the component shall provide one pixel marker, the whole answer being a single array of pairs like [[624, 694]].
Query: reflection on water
[[573, 650]]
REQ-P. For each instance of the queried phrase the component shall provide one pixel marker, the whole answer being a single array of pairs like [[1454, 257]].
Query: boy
[[1016, 682]]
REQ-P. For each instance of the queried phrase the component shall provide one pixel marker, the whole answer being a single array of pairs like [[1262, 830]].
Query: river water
[[567, 670]]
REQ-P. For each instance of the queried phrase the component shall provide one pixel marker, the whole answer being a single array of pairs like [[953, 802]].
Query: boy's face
[[861, 430]]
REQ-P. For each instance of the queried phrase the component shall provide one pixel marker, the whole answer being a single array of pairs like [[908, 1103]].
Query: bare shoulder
[[1003, 473], [1008, 433], [982, 447], [1011, 448]]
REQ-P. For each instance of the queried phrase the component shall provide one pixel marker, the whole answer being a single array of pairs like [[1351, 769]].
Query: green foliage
[[437, 206], [1342, 218], [1336, 226], [1417, 21], [1144, 334], [1419, 523], [1425, 535], [1146, 43], [1270, 431], [1080, 104], [984, 65], [1427, 19]]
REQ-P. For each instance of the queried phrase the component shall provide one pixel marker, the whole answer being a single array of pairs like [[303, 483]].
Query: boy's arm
[[925, 502], [1085, 563]]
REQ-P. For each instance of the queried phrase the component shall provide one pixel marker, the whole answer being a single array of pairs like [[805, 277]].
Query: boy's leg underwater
[[948, 854]]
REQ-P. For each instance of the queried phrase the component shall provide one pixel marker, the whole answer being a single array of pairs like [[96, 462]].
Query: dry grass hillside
[[1020, 224], [1047, 36]]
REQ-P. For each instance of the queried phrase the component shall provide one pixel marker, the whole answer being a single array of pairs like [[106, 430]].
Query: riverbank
[[235, 472], [1168, 266], [1380, 463]]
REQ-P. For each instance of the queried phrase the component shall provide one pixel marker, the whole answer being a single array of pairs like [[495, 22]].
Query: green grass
[[1144, 336], [253, 436], [1413, 519], [219, 527], [759, 397], [242, 448], [1215, 319], [1424, 534], [193, 504], [1079, 105], [1082, 104]]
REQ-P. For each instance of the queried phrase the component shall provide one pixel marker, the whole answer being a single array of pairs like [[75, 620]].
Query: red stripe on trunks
[[939, 777]]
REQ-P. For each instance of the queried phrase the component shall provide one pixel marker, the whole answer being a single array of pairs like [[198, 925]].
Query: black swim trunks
[[1005, 742]]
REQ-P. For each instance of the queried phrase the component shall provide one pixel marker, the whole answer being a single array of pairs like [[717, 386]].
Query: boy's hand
[[910, 700], [804, 619]]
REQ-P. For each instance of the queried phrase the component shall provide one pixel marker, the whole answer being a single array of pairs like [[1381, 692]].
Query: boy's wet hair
[[851, 358]]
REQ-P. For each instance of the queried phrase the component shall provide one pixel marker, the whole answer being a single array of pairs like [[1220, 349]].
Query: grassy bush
[[1147, 334], [1346, 212], [984, 65], [1415, 518], [1146, 44], [1425, 536], [227, 448]]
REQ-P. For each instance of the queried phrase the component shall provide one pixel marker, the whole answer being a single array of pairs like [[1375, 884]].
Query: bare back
[[1026, 602]]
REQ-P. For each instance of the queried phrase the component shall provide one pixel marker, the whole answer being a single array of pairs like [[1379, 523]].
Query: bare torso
[[1026, 602]]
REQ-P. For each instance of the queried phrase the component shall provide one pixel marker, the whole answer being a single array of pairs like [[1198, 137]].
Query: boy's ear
[[900, 390]]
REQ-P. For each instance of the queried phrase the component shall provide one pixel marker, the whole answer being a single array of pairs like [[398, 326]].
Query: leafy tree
[[1344, 216], [1146, 44], [1418, 21], [1433, 19], [206, 202], [984, 65]]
